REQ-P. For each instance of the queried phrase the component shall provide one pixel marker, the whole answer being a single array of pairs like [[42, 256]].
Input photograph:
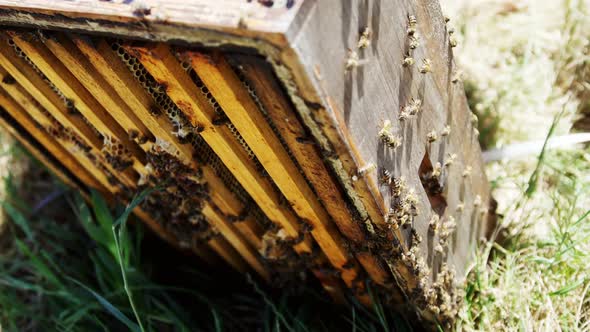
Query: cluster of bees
[[413, 43], [180, 201], [404, 200], [353, 59]]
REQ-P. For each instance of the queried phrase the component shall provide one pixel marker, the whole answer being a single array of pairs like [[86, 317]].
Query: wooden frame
[[336, 109]]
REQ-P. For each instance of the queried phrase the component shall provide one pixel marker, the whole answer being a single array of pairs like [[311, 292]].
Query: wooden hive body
[[265, 122]]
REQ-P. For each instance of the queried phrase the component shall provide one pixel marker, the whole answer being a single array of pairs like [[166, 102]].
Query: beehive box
[[325, 136]]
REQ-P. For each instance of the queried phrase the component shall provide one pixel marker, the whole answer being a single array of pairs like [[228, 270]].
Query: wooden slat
[[68, 84], [116, 80], [20, 70], [164, 67], [65, 50], [280, 111], [49, 143], [23, 99], [76, 161], [22, 103], [31, 81], [115, 73], [227, 89]]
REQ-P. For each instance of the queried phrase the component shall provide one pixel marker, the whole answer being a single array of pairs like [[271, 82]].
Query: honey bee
[[453, 41], [460, 207], [432, 136], [467, 171], [412, 22], [477, 201], [385, 177], [433, 223], [450, 159], [365, 40], [426, 66], [408, 60], [446, 131], [436, 170], [352, 61]]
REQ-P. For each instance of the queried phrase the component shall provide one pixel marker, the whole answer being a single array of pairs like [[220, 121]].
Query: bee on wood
[[385, 177], [453, 41], [387, 137], [408, 60], [365, 40], [353, 61], [474, 119], [446, 131], [450, 159], [415, 106], [426, 66], [391, 219], [460, 207], [412, 23], [432, 136], [433, 223], [477, 201], [467, 171], [398, 186], [436, 170]]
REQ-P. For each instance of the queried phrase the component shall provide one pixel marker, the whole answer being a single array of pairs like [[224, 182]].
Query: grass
[[98, 274], [529, 86]]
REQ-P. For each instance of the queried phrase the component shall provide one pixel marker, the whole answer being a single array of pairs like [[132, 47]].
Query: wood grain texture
[[362, 99]]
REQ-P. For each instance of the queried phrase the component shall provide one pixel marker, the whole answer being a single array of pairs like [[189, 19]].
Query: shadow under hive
[[283, 138]]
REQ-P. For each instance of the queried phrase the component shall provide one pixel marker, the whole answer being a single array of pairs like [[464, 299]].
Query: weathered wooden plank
[[229, 16]]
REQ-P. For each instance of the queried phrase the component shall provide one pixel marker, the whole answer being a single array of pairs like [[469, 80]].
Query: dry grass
[[528, 82]]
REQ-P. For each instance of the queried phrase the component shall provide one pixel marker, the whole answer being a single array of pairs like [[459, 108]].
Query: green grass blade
[[109, 307], [19, 219]]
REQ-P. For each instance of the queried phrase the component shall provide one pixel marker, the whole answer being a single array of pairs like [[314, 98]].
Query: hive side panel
[[363, 83]]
